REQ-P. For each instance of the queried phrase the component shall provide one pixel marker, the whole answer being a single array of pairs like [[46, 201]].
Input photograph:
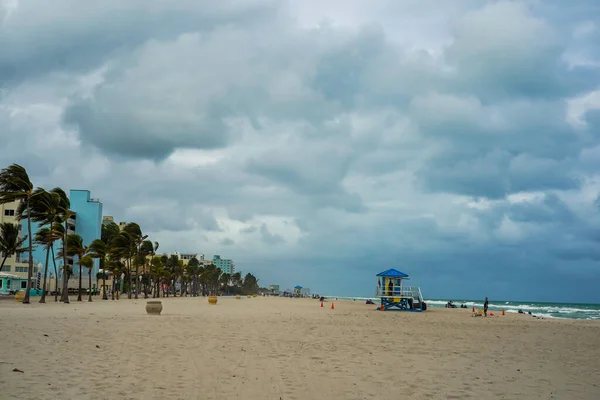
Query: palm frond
[[14, 184]]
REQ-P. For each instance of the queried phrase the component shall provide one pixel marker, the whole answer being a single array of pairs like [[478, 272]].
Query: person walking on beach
[[485, 307]]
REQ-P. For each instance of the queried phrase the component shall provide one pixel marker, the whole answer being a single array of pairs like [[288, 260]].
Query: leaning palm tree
[[124, 248], [16, 185], [45, 210], [88, 262], [10, 242], [58, 233], [75, 247], [147, 249], [63, 214], [137, 238], [99, 250], [42, 237]]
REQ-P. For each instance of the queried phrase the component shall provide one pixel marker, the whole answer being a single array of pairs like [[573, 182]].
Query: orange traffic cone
[[473, 309], [332, 307], [382, 308], [502, 312], [321, 304]]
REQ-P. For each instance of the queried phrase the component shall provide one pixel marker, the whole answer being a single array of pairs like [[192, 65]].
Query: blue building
[[226, 266], [85, 222]]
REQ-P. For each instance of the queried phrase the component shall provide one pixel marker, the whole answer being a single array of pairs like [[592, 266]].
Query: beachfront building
[[13, 276], [186, 257], [225, 265], [274, 289], [85, 221]]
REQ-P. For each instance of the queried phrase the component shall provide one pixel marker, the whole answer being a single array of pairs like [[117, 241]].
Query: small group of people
[[450, 304]]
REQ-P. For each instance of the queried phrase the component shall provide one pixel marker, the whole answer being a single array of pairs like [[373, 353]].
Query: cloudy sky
[[320, 142]]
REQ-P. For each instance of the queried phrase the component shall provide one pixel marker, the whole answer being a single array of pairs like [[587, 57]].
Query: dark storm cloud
[[72, 36], [147, 135]]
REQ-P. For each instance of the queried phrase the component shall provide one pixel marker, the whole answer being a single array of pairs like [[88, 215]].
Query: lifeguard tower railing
[[412, 292]]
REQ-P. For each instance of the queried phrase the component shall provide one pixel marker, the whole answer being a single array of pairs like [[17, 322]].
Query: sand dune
[[275, 348]]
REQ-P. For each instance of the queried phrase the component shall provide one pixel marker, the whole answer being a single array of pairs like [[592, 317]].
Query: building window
[[21, 269], [9, 213], [23, 284], [35, 269], [6, 268]]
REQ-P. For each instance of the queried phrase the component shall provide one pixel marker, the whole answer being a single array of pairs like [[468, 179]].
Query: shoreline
[[542, 310]]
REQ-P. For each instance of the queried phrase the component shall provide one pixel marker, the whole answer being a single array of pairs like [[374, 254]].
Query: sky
[[317, 143]]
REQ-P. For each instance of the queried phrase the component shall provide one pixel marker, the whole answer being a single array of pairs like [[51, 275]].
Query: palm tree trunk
[[65, 291], [43, 299], [130, 282], [79, 292], [3, 261], [55, 274], [30, 269], [90, 285], [104, 296], [137, 281]]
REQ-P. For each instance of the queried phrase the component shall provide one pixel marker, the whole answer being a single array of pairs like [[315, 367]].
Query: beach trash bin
[[20, 295], [212, 300], [154, 307]]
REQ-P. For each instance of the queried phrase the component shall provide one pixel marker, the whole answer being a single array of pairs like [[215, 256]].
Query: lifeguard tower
[[395, 295]]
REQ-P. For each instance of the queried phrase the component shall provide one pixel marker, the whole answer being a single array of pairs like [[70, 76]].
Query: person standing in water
[[485, 307]]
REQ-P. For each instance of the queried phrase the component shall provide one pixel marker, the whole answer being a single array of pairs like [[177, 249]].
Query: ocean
[[546, 310]]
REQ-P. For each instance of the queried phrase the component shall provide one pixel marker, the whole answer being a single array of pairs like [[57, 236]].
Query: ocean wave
[[570, 311], [524, 307]]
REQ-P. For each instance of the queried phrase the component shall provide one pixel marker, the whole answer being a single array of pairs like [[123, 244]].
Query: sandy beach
[[281, 348]]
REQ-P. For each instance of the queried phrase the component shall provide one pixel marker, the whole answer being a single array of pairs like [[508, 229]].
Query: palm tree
[[88, 262], [147, 249], [210, 278], [62, 216], [58, 232], [116, 268], [124, 248], [75, 247], [236, 281], [157, 272], [10, 242], [224, 281], [137, 238], [193, 269], [44, 238], [16, 185], [99, 250], [45, 210]]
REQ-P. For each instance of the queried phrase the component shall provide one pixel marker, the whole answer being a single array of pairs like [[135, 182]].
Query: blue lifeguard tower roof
[[392, 273], [298, 287]]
